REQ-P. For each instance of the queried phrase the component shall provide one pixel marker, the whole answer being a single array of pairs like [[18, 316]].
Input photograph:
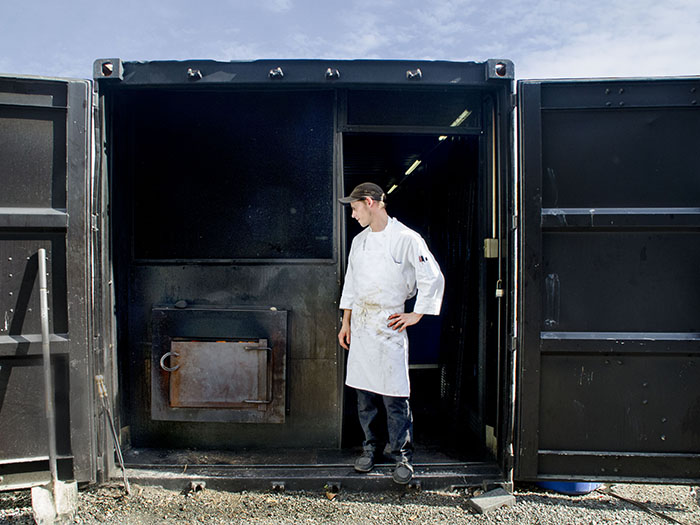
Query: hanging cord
[[102, 391], [609, 492]]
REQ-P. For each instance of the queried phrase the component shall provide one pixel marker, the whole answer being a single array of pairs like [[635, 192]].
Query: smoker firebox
[[218, 364]]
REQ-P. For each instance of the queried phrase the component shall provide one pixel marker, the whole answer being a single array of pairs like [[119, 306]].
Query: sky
[[544, 38]]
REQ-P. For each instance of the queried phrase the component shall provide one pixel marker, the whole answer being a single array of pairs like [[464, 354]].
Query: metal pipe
[[46, 354], [102, 393]]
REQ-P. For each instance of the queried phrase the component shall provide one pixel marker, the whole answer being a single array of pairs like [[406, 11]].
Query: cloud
[[274, 6], [649, 40], [545, 38], [277, 6]]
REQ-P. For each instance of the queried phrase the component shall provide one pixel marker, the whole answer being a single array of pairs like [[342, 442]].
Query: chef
[[388, 264]]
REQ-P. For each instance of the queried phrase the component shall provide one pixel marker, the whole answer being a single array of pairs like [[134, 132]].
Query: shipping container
[[197, 252]]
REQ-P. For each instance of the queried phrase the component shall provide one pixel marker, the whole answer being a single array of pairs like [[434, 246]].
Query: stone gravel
[[155, 505]]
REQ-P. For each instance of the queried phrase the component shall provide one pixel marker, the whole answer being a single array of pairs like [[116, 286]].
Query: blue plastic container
[[568, 487]]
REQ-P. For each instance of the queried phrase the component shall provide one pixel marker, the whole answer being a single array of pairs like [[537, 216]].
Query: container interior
[[226, 229]]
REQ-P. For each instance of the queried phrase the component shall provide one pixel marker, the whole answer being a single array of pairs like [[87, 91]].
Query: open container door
[[609, 378], [44, 180]]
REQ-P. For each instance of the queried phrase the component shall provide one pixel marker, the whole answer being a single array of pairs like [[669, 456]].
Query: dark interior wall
[[225, 199], [221, 175]]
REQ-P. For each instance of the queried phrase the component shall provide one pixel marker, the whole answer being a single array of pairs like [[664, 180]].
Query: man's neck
[[379, 221]]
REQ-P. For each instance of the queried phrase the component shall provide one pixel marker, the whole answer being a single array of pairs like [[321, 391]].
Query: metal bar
[[269, 466], [102, 393], [602, 453], [627, 336], [228, 262], [611, 218], [449, 75], [411, 130], [46, 353], [528, 379], [33, 218], [34, 459], [41, 107]]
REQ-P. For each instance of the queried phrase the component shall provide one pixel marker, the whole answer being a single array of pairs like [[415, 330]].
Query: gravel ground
[[155, 505]]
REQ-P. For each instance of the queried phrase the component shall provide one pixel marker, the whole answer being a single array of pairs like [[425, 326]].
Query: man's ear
[[369, 201]]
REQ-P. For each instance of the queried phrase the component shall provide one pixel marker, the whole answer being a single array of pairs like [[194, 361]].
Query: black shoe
[[365, 462], [403, 472]]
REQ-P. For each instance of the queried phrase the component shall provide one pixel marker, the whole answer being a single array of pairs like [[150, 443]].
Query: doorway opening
[[436, 186]]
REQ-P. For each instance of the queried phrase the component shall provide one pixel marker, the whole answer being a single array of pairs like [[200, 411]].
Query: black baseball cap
[[366, 189]]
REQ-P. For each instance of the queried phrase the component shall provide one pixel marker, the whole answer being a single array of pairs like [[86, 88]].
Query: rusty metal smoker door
[[43, 180], [609, 383]]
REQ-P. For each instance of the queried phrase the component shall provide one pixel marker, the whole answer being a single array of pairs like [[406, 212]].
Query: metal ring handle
[[162, 362]]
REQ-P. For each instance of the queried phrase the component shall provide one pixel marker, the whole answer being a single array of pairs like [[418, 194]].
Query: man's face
[[361, 212]]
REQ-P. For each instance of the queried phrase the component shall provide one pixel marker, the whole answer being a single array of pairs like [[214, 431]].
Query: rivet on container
[[414, 74], [194, 74]]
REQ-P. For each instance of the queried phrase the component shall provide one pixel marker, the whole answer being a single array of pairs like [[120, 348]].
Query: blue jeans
[[399, 423]]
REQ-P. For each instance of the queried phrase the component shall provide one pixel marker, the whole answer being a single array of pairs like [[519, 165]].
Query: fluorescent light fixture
[[457, 122], [392, 188], [413, 167], [462, 117]]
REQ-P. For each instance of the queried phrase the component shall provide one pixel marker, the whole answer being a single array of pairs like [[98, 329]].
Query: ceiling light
[[462, 117], [413, 167]]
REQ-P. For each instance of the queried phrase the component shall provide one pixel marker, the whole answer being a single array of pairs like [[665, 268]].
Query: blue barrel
[[569, 487]]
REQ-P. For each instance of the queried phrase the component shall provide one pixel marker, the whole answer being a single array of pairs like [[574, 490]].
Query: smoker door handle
[[269, 377], [168, 368]]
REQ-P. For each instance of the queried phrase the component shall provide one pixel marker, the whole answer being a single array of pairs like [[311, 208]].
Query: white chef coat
[[384, 270]]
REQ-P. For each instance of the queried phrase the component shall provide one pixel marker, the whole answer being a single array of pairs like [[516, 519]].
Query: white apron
[[378, 357]]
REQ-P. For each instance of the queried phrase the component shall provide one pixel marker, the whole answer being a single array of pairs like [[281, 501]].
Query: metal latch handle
[[168, 368]]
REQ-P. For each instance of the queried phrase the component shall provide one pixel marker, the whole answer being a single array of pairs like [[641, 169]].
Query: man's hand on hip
[[401, 321]]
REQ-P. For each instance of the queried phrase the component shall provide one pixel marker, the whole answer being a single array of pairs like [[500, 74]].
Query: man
[[388, 264]]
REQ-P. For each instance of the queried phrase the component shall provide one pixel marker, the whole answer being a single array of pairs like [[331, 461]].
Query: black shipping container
[[197, 252]]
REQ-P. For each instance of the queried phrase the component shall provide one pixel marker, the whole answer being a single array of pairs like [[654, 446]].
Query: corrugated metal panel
[[610, 363]]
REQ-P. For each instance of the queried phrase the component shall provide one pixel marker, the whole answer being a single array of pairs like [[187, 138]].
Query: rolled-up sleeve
[[347, 298]]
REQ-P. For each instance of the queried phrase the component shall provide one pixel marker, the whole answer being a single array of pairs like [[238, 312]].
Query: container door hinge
[[513, 344], [513, 100], [95, 222], [490, 248], [515, 220]]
